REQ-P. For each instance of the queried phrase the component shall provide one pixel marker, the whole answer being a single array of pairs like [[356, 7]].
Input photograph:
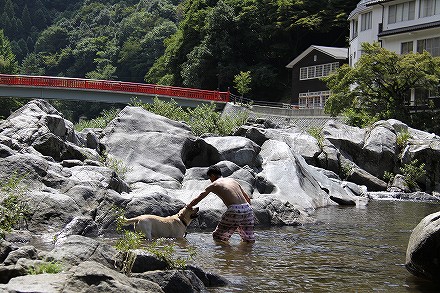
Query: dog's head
[[186, 215]]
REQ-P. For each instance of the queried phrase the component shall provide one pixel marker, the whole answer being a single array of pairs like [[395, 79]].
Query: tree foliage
[[8, 64], [379, 85], [195, 43]]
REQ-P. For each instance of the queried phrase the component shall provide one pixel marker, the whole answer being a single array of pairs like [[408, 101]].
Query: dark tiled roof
[[409, 29]]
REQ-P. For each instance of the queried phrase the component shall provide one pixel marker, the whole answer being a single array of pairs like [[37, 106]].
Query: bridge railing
[[113, 86]]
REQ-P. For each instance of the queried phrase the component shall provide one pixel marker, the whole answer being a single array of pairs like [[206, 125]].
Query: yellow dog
[[167, 227]]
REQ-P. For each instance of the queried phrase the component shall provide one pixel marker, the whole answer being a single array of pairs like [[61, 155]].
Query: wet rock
[[423, 252], [84, 226], [75, 249], [8, 272], [27, 251], [149, 144], [239, 150], [174, 281], [88, 276], [145, 261]]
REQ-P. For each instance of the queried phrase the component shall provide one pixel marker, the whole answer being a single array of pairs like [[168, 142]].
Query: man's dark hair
[[214, 170]]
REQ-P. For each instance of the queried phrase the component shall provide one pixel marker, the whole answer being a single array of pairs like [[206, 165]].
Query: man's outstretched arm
[[196, 200]]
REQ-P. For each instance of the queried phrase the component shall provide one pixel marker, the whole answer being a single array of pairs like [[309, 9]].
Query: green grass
[[13, 207], [316, 132], [46, 268], [204, 119], [99, 122]]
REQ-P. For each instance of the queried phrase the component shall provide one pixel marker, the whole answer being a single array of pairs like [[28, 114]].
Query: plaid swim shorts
[[238, 217]]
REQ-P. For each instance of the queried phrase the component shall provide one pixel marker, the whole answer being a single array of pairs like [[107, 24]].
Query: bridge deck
[[101, 90]]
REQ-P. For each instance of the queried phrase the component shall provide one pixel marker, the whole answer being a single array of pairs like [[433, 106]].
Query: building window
[[429, 8], [406, 47], [366, 21], [355, 27], [430, 45], [402, 12], [317, 71]]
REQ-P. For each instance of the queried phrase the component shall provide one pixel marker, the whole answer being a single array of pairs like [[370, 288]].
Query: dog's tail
[[131, 221]]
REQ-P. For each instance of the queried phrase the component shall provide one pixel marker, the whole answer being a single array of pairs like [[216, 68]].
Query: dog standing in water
[[164, 227]]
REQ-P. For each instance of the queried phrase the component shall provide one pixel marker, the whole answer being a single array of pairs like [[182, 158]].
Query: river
[[348, 249]]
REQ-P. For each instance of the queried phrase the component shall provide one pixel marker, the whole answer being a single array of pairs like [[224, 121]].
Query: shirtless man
[[239, 215]]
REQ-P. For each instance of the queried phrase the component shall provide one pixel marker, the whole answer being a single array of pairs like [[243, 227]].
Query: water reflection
[[347, 250]]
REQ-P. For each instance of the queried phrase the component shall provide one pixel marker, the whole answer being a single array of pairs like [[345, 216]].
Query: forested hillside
[[194, 43]]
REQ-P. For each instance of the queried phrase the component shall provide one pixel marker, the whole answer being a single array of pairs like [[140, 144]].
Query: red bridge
[[47, 87]]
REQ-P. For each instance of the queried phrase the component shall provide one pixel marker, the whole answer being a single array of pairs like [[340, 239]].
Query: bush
[[412, 172], [402, 138], [202, 119], [13, 207], [99, 122], [116, 165], [46, 268], [316, 132]]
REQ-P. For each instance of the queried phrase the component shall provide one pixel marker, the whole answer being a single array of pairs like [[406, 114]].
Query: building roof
[[335, 52], [364, 4], [410, 29]]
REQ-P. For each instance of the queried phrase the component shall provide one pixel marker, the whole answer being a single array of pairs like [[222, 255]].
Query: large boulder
[[88, 276], [423, 252], [379, 150], [40, 124], [75, 249], [239, 150], [149, 145]]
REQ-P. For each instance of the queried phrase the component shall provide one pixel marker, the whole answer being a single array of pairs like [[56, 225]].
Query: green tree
[[242, 82], [8, 63], [52, 40], [379, 85]]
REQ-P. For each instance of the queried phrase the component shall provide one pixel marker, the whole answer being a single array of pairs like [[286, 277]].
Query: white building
[[401, 26]]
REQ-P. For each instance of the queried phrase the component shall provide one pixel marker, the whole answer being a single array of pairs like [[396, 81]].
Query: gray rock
[[86, 277], [174, 281], [75, 249], [145, 261], [9, 272], [51, 211], [399, 184], [236, 149], [84, 226], [379, 149], [150, 145], [27, 251], [423, 252], [37, 118]]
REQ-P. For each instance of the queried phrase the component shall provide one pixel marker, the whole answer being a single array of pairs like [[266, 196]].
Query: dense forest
[[193, 43]]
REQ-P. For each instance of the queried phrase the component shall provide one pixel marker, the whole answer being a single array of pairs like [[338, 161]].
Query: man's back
[[229, 190]]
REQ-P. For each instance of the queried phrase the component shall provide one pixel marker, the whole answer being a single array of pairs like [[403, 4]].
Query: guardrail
[[112, 86]]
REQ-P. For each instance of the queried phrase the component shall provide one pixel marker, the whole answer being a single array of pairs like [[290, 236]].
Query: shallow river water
[[349, 249]]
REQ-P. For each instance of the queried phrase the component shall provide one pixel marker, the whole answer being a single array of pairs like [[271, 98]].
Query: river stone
[[8, 272], [174, 281], [5, 248], [27, 251], [345, 138], [423, 252], [88, 276], [75, 249], [149, 145], [379, 149], [85, 226], [37, 118], [51, 211], [236, 149], [145, 261]]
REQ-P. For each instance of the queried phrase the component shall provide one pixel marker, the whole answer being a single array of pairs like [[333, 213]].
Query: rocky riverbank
[[147, 164]]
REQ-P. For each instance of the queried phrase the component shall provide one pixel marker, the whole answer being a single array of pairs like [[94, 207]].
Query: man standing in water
[[239, 215]]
